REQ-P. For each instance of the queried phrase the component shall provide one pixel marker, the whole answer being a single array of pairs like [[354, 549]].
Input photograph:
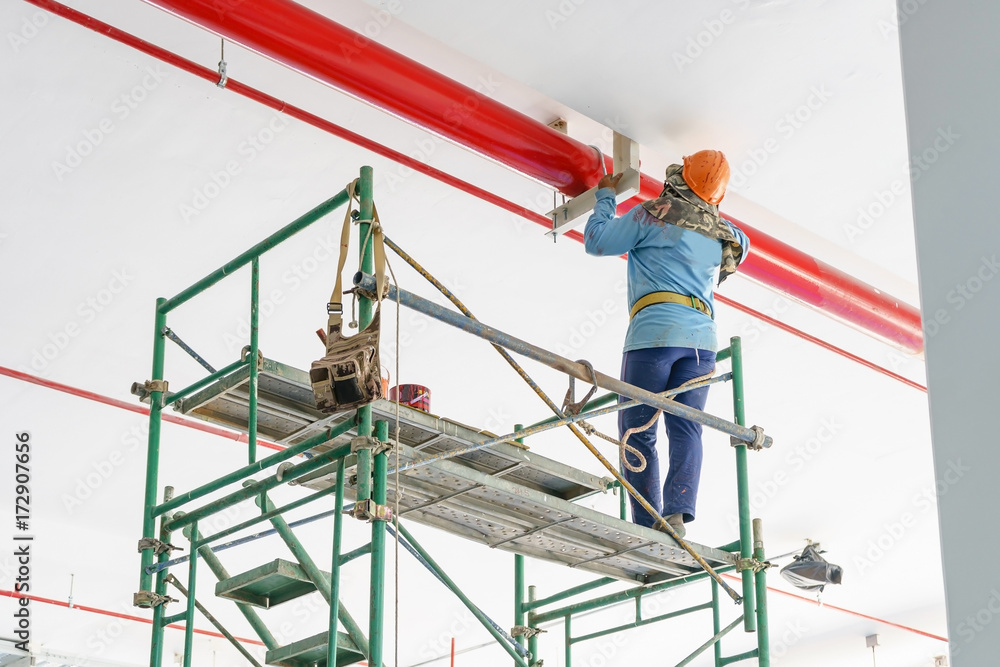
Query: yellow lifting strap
[[378, 252], [669, 297]]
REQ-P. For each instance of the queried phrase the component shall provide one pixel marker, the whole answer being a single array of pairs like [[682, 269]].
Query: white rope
[[623, 446]]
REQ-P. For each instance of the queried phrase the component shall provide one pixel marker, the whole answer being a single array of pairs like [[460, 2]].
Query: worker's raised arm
[[605, 234], [741, 238]]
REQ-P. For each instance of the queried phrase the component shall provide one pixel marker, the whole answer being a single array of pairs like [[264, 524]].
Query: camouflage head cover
[[679, 205]]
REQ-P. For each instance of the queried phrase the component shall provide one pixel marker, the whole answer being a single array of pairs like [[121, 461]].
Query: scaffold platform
[[505, 497]]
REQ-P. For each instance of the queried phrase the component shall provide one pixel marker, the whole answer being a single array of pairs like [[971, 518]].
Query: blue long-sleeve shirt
[[661, 258]]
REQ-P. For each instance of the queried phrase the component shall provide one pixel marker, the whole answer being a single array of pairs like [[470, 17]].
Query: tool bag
[[348, 376]]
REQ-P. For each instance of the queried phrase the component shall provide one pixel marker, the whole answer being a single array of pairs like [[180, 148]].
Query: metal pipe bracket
[[752, 564], [525, 631], [158, 546], [758, 443], [369, 510], [149, 599], [245, 352]]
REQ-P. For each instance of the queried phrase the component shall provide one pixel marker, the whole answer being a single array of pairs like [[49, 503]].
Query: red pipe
[[139, 409], [115, 614], [316, 46], [343, 133], [851, 612]]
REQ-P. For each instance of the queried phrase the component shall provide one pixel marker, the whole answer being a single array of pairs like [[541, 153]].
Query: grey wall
[[951, 75]]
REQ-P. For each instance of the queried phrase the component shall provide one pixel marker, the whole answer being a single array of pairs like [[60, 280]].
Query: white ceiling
[[65, 236]]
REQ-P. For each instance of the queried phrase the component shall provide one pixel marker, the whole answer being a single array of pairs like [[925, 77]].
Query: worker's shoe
[[676, 522]]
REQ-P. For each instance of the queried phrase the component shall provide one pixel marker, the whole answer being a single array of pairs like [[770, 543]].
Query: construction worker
[[675, 245]]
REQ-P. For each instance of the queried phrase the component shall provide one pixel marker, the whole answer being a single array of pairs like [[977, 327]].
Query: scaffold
[[462, 480]]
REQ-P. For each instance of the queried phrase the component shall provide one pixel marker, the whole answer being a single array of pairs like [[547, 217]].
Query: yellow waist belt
[[669, 297]]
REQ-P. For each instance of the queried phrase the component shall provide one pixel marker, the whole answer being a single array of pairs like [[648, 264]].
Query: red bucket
[[412, 395]]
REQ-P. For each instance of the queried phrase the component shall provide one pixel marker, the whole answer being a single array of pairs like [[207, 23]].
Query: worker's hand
[[609, 181]]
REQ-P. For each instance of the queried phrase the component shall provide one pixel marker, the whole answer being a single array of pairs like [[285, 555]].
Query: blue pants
[[657, 369]]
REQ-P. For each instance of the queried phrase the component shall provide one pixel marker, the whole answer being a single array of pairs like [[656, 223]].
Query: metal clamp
[[158, 546], [149, 599], [369, 510], [245, 352], [363, 442], [568, 406], [375, 446], [223, 77], [149, 386], [279, 474], [525, 631], [758, 439], [752, 564]]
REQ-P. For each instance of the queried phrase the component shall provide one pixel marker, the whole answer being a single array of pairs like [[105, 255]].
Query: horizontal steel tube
[[357, 553], [569, 592], [266, 484], [205, 381], [242, 260], [176, 618], [541, 428], [577, 370], [255, 467], [535, 619], [739, 657], [265, 516], [638, 623]]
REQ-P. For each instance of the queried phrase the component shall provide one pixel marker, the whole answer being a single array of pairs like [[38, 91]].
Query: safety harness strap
[[669, 297], [335, 307]]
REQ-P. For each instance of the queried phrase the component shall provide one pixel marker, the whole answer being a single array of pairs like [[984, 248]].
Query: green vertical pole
[[153, 446], [338, 524], [716, 622], [763, 631], [519, 576], [189, 617], [365, 314], [568, 631], [375, 634], [743, 487], [152, 477], [519, 592], [254, 348], [533, 639]]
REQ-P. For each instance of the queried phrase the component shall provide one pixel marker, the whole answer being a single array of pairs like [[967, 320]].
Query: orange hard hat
[[707, 174]]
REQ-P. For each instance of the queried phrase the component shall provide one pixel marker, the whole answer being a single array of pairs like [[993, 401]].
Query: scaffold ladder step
[[311, 652], [267, 585]]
